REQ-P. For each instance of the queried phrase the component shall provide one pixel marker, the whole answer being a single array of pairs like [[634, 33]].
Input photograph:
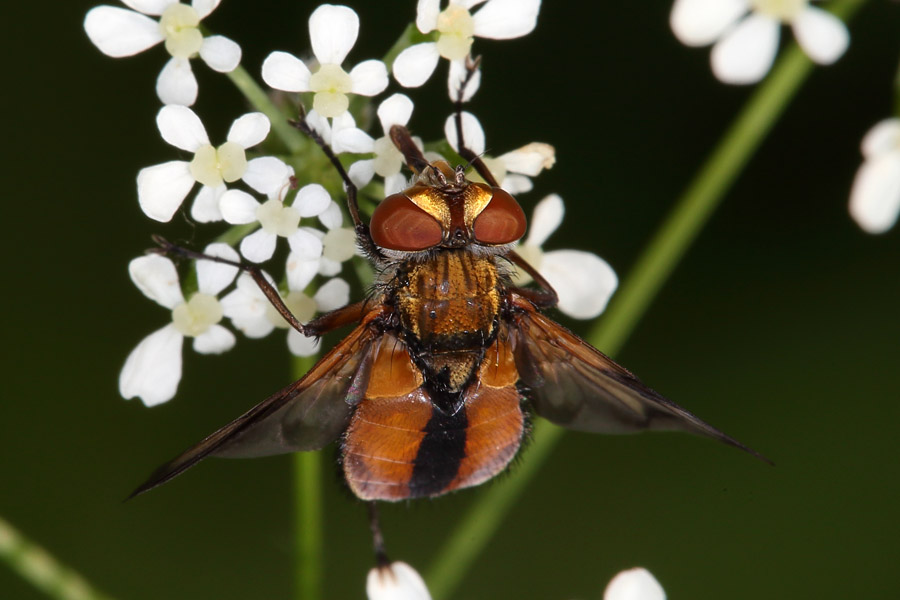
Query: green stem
[[651, 271], [307, 470], [291, 137], [40, 569]]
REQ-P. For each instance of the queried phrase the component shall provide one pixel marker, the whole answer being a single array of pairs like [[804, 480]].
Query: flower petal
[[530, 159], [157, 279], [220, 53], [204, 7], [414, 66], [312, 200], [268, 175], [745, 54], [395, 110], [361, 173], [149, 7], [884, 137], [473, 134], [305, 244], [458, 73], [332, 216], [822, 35], [181, 127], [369, 78], [427, 12], [153, 369], [328, 267], [394, 184], [516, 184], [547, 217], [634, 584], [300, 345], [284, 71], [701, 22], [583, 281], [120, 32], [176, 83], [300, 271], [506, 19], [259, 246], [395, 581], [214, 340], [875, 196], [212, 276], [238, 207], [249, 129], [162, 189], [205, 208], [353, 140], [333, 31], [246, 307], [335, 293]]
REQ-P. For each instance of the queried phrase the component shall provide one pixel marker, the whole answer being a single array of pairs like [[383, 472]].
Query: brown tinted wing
[[306, 415], [571, 383]]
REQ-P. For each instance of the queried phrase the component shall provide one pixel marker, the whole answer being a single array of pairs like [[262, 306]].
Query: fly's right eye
[[398, 224]]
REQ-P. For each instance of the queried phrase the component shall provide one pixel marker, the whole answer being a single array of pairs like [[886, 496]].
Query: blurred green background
[[781, 327]]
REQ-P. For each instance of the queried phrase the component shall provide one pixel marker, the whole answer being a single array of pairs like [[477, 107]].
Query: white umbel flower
[[252, 313], [583, 281], [338, 246], [153, 369], [341, 134], [746, 33], [396, 581], [276, 219], [333, 31], [634, 584], [388, 161], [121, 32], [456, 28], [162, 188], [512, 169], [875, 196]]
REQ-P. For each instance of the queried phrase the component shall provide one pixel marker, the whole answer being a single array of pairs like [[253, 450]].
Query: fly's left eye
[[502, 221], [398, 224]]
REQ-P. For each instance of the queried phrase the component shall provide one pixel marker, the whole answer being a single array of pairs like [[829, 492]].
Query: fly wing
[[571, 383], [306, 415]]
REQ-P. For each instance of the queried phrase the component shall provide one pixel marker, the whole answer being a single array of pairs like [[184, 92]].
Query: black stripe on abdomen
[[440, 453]]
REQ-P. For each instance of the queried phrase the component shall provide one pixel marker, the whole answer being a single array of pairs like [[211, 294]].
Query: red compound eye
[[398, 224], [502, 220]]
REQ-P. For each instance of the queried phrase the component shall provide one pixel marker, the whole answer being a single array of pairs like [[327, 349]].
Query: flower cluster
[[266, 198]]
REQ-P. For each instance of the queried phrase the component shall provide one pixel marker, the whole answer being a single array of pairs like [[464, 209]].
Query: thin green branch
[[651, 271], [295, 142], [309, 538], [40, 569]]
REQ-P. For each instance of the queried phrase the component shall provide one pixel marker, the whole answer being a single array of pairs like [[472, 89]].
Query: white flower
[[396, 581], [388, 161], [875, 196], [162, 188], [333, 31], [583, 281], [513, 169], [121, 32], [342, 134], [338, 245], [276, 219], [457, 29], [634, 584], [251, 312], [745, 44], [153, 369]]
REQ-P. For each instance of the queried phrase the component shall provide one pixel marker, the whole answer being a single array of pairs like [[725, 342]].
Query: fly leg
[[381, 559], [362, 229], [546, 296], [351, 313]]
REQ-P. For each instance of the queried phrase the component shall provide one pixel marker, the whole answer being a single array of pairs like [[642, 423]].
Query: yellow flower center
[[213, 166], [197, 315], [301, 306], [784, 10], [456, 27], [339, 244], [178, 24], [277, 218], [331, 84]]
